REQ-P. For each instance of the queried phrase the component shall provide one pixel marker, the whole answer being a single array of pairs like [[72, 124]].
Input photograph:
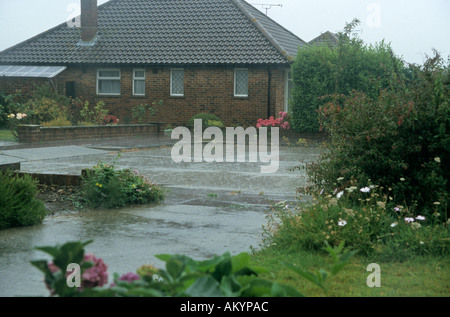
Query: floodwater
[[211, 208]]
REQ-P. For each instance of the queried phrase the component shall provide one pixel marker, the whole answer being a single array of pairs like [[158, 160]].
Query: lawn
[[418, 277], [5, 135]]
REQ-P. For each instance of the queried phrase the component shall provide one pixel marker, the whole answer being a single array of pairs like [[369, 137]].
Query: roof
[[31, 71], [328, 38], [142, 32]]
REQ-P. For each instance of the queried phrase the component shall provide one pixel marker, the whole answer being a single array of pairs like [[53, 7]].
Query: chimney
[[89, 20]]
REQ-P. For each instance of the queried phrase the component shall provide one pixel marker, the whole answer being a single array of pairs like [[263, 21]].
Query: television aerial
[[267, 6]]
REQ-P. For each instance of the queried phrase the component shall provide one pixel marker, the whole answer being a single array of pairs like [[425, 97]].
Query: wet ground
[[210, 208]]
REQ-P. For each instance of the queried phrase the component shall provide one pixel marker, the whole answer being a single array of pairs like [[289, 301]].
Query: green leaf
[[230, 287], [53, 251], [240, 261], [204, 286], [210, 264], [256, 287], [174, 268], [42, 265], [279, 290], [223, 268], [72, 252], [315, 279]]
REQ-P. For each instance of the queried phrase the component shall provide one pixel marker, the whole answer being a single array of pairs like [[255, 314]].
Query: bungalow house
[[327, 38], [219, 56]]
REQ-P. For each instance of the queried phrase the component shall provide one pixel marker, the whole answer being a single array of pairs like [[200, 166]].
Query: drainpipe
[[269, 88]]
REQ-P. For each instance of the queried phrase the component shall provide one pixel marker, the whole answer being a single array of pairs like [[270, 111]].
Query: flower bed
[[37, 133]]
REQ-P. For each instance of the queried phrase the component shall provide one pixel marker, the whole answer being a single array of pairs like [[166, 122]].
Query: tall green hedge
[[321, 70]]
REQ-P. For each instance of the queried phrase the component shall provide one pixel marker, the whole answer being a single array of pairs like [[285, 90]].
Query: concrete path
[[47, 153], [211, 208]]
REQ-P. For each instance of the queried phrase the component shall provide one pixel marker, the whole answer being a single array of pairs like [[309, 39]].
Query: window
[[289, 84], [177, 82], [139, 82], [241, 82], [108, 82]]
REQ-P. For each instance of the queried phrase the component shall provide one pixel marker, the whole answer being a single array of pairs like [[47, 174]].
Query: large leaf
[[279, 290], [223, 268], [204, 286], [175, 268], [230, 287]]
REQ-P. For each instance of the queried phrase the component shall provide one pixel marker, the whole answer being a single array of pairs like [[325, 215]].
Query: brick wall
[[36, 133], [206, 89]]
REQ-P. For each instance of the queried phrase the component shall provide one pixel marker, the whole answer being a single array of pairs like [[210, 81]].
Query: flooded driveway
[[210, 208]]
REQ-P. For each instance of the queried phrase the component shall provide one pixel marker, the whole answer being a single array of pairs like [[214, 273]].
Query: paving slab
[[5, 159], [36, 154]]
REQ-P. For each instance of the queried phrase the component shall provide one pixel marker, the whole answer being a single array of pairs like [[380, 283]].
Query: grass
[[5, 135], [418, 277]]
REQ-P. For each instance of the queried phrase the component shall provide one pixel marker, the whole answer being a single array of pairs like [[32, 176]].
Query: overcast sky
[[413, 27]]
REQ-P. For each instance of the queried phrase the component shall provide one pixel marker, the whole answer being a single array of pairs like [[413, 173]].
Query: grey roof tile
[[165, 32], [327, 38]]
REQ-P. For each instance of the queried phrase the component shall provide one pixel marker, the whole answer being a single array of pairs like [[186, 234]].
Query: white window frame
[[140, 79], [171, 82], [286, 89], [235, 82], [108, 78]]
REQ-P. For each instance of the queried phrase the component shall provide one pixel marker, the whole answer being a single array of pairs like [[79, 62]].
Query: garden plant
[[19, 206], [106, 186]]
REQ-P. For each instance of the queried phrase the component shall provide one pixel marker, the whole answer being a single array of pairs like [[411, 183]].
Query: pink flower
[[52, 267], [95, 275], [129, 277]]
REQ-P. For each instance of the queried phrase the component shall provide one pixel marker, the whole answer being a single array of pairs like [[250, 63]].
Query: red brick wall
[[206, 89], [36, 133]]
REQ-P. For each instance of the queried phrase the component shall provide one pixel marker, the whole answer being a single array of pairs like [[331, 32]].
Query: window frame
[[140, 79], [109, 78], [235, 82], [172, 94], [288, 89]]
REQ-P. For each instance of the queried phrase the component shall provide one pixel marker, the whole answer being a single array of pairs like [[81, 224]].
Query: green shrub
[[399, 140], [93, 115], [58, 122], [18, 203], [74, 108], [44, 109], [143, 113], [208, 120], [104, 186]]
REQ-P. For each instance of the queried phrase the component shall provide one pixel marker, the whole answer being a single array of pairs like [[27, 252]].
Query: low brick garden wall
[[37, 133]]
